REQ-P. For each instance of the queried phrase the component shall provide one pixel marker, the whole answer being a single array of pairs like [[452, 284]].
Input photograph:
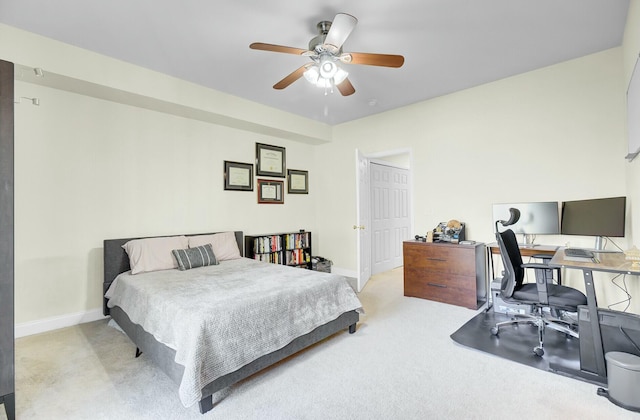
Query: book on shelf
[[266, 244], [274, 257], [297, 240], [293, 249], [297, 257]]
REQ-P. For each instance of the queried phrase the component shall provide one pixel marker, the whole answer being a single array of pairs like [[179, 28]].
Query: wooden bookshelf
[[289, 248]]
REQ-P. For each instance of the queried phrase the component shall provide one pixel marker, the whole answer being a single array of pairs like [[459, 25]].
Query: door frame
[[378, 157]]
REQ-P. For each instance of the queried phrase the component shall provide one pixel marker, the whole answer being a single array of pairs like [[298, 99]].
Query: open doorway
[[384, 208]]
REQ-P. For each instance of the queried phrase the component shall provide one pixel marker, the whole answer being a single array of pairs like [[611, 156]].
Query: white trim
[[387, 163], [344, 272], [56, 322], [392, 152]]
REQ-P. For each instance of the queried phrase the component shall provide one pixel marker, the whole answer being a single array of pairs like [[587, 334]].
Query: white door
[[362, 223], [390, 220]]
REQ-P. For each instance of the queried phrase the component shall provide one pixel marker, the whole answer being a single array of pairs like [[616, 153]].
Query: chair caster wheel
[[494, 330], [539, 351]]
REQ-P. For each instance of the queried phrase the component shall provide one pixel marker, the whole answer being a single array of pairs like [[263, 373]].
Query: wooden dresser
[[445, 272]]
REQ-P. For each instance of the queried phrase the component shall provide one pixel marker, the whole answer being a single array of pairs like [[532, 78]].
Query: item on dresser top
[[451, 231]]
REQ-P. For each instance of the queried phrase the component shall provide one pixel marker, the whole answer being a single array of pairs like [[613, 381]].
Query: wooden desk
[[527, 250], [610, 262]]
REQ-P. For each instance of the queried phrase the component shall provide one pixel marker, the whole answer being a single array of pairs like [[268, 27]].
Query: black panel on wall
[[7, 356]]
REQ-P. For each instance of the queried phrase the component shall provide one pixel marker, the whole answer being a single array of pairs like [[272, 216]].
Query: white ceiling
[[448, 45]]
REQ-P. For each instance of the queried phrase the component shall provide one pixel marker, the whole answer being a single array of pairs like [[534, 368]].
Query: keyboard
[[578, 252]]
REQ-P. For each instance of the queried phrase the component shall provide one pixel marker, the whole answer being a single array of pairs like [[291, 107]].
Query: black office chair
[[539, 295]]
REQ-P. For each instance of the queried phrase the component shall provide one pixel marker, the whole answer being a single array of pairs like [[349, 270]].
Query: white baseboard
[[344, 272], [56, 322]]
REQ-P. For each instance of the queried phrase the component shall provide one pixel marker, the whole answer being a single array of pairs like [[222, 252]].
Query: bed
[[201, 368]]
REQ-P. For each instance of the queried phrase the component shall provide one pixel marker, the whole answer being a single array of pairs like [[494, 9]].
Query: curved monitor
[[597, 217], [536, 218]]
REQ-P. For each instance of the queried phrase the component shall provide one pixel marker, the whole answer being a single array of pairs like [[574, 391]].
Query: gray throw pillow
[[195, 257]]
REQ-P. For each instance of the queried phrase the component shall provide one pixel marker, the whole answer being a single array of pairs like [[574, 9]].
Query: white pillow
[[224, 244], [152, 254]]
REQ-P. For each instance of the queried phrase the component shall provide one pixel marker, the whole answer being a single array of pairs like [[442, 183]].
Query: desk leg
[[489, 280], [595, 324]]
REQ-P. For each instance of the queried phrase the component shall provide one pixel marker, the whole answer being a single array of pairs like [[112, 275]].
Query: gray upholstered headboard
[[116, 260]]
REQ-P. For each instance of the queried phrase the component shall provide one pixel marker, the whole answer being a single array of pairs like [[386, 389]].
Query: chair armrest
[[545, 260], [535, 265], [541, 281]]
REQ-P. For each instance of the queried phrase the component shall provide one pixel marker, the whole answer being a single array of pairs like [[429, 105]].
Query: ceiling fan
[[325, 51]]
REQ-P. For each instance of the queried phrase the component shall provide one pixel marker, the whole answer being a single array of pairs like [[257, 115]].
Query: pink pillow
[[224, 245], [153, 254]]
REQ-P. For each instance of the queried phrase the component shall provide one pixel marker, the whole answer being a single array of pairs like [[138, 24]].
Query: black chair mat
[[516, 343]]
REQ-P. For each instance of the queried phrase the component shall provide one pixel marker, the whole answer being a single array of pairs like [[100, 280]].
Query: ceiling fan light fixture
[[312, 74], [328, 68]]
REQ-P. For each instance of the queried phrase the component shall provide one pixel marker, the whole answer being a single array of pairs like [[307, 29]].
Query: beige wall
[[89, 169], [549, 135], [552, 134], [631, 50]]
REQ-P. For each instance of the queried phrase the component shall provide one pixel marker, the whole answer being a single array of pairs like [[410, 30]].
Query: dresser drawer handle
[[436, 259], [444, 286]]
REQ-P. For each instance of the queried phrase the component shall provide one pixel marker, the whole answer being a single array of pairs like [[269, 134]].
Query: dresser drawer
[[443, 259], [457, 290]]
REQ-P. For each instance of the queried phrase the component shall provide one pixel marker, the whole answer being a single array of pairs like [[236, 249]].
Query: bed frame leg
[[138, 352], [352, 328], [206, 404]]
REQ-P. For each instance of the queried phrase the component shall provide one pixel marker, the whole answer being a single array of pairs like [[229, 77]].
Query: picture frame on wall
[[298, 181], [238, 176], [270, 191], [270, 160]]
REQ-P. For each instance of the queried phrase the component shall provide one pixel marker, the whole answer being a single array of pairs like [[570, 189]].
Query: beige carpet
[[400, 364]]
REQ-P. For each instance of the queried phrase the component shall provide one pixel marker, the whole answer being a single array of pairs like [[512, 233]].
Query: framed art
[[270, 160], [238, 176], [298, 181], [270, 191]]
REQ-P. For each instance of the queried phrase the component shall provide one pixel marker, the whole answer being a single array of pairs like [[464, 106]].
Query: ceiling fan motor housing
[[317, 44]]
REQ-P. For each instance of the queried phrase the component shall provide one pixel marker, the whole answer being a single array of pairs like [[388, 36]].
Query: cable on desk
[[614, 244], [624, 289]]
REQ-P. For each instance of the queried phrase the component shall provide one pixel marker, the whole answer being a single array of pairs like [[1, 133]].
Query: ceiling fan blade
[[384, 60], [340, 30], [276, 48], [346, 88], [295, 75]]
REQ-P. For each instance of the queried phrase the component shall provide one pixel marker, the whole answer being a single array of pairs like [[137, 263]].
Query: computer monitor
[[536, 218], [600, 217]]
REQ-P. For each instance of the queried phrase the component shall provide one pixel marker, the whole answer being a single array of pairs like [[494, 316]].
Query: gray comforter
[[219, 318]]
